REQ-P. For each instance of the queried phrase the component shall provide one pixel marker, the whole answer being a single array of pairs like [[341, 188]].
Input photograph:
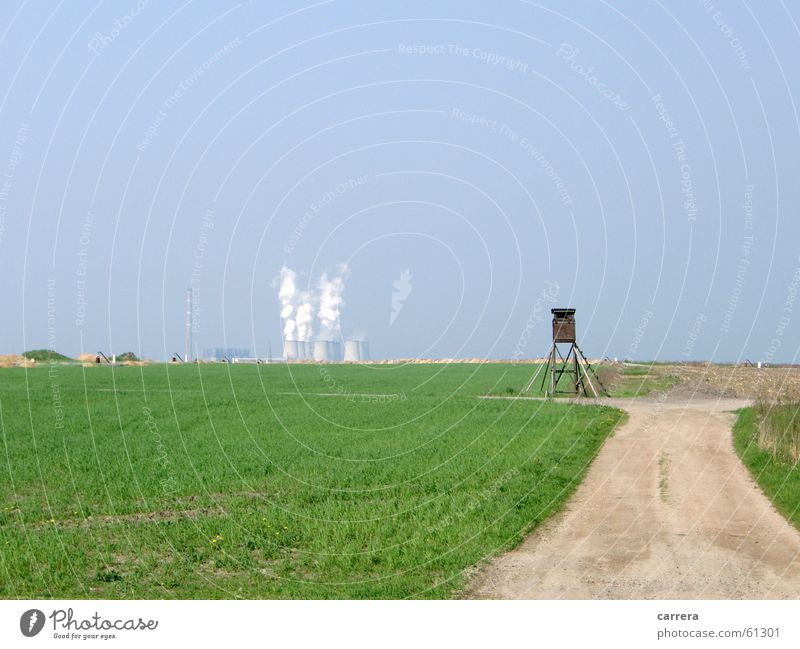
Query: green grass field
[[641, 380], [620, 381], [215, 481], [777, 474]]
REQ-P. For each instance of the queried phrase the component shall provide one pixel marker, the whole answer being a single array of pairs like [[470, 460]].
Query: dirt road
[[667, 511]]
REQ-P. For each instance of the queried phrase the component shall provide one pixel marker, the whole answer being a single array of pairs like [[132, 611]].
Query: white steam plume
[[298, 307], [304, 317], [331, 302], [288, 295]]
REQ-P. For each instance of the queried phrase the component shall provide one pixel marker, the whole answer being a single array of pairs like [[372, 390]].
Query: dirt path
[[667, 511]]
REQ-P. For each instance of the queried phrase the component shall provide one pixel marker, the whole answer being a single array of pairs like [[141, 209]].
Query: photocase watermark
[[9, 171], [52, 371], [520, 140], [377, 398], [569, 54], [639, 331], [402, 291], [168, 483], [170, 102], [31, 622], [101, 41], [679, 148], [510, 63], [694, 334], [786, 314], [84, 240], [338, 389], [68, 626], [483, 496], [744, 260], [316, 207], [537, 314], [727, 31], [206, 226]]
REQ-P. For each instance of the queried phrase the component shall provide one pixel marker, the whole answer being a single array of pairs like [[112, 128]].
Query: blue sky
[[634, 160]]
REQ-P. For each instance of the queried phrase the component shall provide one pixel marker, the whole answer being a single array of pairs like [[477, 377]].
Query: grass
[[214, 481], [760, 437], [636, 380], [779, 430], [621, 381]]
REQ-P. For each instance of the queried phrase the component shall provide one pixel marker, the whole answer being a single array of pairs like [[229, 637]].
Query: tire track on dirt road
[[666, 511]]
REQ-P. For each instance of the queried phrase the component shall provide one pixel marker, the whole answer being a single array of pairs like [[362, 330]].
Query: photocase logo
[[402, 290], [31, 622]]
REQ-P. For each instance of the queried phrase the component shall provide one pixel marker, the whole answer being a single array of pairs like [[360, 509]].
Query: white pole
[[187, 350]]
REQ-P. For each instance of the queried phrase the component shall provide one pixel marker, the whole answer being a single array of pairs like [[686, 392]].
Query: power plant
[[291, 350], [225, 353], [320, 305], [356, 350], [301, 312], [301, 350], [325, 351], [352, 351]]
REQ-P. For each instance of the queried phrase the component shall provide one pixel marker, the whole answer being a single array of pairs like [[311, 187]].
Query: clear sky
[[635, 160]]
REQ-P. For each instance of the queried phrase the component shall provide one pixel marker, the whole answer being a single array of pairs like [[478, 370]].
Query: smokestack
[[290, 351], [187, 349], [321, 351], [352, 350]]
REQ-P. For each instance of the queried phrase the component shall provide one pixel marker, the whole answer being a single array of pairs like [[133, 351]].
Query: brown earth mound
[[15, 360]]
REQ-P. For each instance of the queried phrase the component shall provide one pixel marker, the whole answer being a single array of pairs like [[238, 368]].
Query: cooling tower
[[334, 351], [363, 350], [290, 350], [321, 350], [352, 350]]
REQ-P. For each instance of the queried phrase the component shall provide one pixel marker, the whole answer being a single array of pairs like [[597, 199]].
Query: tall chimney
[[187, 349]]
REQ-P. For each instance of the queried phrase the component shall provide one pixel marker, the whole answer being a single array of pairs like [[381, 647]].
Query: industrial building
[[326, 351], [226, 353]]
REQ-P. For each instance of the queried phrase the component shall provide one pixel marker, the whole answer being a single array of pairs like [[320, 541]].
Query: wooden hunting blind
[[563, 325], [569, 373]]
